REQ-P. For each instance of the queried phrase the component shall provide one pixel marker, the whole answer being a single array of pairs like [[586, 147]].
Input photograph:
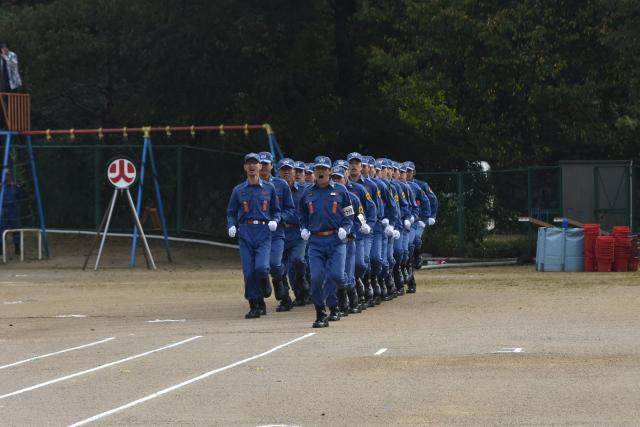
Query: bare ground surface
[[579, 335]]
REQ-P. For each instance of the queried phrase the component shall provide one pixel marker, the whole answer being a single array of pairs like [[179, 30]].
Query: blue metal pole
[[139, 200], [156, 184], [272, 148], [5, 167], [36, 187]]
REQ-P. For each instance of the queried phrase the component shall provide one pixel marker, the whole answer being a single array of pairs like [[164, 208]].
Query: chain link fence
[[478, 214]]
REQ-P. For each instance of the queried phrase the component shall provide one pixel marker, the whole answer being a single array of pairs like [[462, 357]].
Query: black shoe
[[267, 290], [375, 287], [400, 290], [262, 306], [285, 304], [334, 314], [322, 320], [254, 310], [278, 290], [411, 287]]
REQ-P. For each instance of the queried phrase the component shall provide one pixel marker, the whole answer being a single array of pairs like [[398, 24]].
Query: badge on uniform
[[362, 220], [368, 196], [332, 194], [348, 211]]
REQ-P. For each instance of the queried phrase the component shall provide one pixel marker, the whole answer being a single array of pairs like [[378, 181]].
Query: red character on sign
[[122, 173]]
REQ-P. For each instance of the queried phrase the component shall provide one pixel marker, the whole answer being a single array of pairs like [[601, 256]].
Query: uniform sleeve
[[425, 205], [391, 207], [433, 202], [370, 210], [347, 221], [276, 212], [232, 209], [303, 209], [405, 211], [289, 214]]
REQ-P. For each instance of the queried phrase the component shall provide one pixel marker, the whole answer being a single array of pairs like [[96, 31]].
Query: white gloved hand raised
[[232, 231], [385, 222], [342, 233], [388, 231], [412, 219], [407, 224], [431, 221], [396, 234], [272, 225], [365, 229], [304, 233], [421, 224]]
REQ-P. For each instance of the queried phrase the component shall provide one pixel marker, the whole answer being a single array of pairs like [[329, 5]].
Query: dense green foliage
[[446, 82]]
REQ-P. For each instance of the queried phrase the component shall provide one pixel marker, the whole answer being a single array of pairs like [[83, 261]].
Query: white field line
[[187, 382], [379, 352], [97, 368], [56, 352], [166, 320]]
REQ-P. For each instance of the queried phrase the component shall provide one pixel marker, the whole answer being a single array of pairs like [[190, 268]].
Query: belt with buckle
[[351, 237], [256, 222], [292, 226], [324, 232]]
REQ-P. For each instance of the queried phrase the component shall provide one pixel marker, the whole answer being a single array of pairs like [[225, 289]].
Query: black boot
[[307, 291], [262, 306], [360, 292], [266, 287], [299, 292], [278, 289], [377, 292], [411, 287], [383, 288], [343, 302], [353, 301], [417, 259], [405, 270], [334, 314], [322, 320], [254, 310], [390, 285], [285, 304], [397, 277]]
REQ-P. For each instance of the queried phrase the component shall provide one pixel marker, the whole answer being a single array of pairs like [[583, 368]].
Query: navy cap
[[338, 170], [379, 164], [322, 161], [354, 156], [394, 165], [386, 163], [251, 156], [265, 157], [410, 166], [402, 166], [299, 165], [308, 167], [286, 162], [341, 163]]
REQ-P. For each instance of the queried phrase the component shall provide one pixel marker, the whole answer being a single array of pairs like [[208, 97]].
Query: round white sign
[[121, 173]]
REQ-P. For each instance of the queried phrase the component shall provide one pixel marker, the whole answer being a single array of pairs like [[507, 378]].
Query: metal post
[[142, 236], [460, 200], [5, 166], [179, 189], [139, 200], [529, 209], [159, 202], [97, 185], [106, 227], [596, 202], [36, 187]]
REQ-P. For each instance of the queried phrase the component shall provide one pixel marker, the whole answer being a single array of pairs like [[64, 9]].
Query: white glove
[[431, 221], [421, 224], [388, 231], [385, 222], [272, 225], [412, 219], [396, 234], [304, 233], [365, 229], [407, 224], [232, 231], [342, 233]]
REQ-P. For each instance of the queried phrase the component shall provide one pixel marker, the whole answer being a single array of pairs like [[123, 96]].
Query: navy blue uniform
[[323, 212], [250, 208]]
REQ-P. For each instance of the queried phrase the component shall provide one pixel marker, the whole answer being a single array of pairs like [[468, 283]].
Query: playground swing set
[[16, 111]]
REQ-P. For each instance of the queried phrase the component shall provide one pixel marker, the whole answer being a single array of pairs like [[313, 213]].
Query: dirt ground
[[482, 346]]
